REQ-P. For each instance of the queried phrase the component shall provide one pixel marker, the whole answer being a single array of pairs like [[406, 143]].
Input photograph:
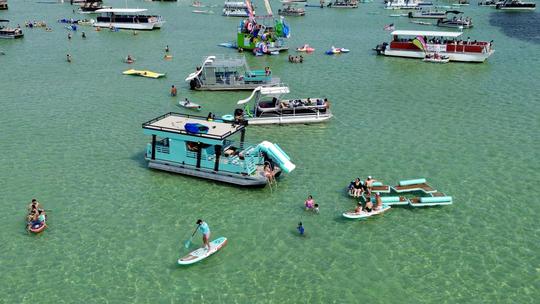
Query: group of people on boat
[[442, 40], [303, 103], [296, 59], [36, 217]]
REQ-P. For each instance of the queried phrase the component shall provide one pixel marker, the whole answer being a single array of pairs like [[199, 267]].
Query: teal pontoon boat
[[196, 146], [220, 74]]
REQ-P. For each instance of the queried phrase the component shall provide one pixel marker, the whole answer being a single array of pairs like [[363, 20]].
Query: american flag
[[389, 27]]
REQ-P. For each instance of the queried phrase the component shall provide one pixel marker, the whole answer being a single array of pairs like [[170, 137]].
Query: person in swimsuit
[[205, 231], [369, 184], [269, 173], [34, 205], [309, 203], [300, 228], [358, 208], [378, 201], [357, 188], [316, 209], [369, 206], [174, 91]]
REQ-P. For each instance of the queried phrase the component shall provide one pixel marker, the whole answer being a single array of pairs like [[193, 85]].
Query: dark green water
[[71, 136]]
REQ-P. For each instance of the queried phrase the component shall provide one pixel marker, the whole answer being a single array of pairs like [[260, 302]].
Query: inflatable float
[[148, 74], [363, 214], [335, 50], [306, 48], [37, 228], [201, 253]]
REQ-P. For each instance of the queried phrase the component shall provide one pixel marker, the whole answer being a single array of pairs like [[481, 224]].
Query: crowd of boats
[[214, 147]]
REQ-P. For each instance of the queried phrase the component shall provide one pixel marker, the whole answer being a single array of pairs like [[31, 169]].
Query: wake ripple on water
[[521, 25]]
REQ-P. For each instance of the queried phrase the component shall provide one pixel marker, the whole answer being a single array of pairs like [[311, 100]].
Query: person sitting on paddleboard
[[205, 231], [358, 208], [357, 188], [369, 205], [300, 228], [378, 201], [310, 203]]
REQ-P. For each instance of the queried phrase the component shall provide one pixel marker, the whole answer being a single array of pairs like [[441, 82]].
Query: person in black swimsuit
[[369, 206], [356, 188]]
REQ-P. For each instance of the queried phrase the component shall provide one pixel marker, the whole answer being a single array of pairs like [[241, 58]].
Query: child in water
[[309, 203], [300, 228], [316, 209]]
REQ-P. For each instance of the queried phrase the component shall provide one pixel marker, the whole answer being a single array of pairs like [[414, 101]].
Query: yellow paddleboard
[[148, 74]]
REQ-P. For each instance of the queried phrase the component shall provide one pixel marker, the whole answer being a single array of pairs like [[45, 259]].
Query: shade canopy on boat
[[426, 33], [269, 91], [121, 10]]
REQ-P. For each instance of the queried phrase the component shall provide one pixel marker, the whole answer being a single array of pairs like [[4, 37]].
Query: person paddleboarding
[[204, 229]]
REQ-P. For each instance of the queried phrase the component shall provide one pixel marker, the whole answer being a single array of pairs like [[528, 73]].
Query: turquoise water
[[71, 136]]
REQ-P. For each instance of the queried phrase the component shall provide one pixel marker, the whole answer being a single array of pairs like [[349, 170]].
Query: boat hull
[[257, 180], [130, 26], [457, 56], [288, 119]]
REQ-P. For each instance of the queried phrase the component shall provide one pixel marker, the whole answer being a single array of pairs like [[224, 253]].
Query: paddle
[[188, 242]]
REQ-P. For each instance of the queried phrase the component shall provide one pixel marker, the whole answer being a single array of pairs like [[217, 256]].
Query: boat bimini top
[[268, 91]]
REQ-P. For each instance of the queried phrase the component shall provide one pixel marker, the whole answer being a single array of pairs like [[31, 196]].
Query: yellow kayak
[[148, 74]]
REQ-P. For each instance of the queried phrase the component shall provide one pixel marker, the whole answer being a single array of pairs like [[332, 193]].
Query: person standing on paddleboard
[[205, 231]]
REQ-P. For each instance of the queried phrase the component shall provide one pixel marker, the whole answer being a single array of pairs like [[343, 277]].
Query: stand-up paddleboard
[[363, 214], [201, 253]]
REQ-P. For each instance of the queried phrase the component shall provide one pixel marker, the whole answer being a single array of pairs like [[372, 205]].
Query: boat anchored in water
[[91, 6], [458, 21], [236, 9], [290, 9], [343, 4], [516, 5], [427, 14], [202, 147], [415, 44], [127, 18], [221, 74], [8, 32], [270, 108]]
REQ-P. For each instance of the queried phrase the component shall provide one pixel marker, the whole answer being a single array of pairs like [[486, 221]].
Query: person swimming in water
[[174, 91], [83, 35], [204, 229], [300, 228], [68, 58], [316, 209]]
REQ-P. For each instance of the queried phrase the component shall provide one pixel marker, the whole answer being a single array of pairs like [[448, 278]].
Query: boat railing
[[148, 125]]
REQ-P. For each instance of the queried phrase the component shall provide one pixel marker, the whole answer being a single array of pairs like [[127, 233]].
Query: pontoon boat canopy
[[426, 33], [121, 10], [275, 91]]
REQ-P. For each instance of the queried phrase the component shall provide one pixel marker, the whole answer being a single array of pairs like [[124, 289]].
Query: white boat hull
[[288, 119], [131, 26], [462, 57]]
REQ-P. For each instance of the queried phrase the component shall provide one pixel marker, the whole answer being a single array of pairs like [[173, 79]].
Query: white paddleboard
[[201, 253], [363, 214]]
